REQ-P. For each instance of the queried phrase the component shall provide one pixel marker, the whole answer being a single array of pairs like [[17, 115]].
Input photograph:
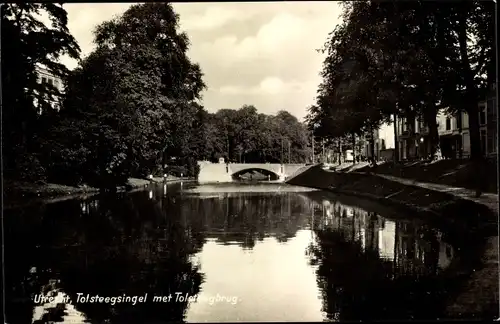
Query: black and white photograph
[[272, 161]]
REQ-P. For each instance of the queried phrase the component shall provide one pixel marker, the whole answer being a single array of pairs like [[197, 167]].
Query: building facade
[[454, 141], [453, 131], [413, 138], [44, 76], [378, 143], [491, 130], [383, 142]]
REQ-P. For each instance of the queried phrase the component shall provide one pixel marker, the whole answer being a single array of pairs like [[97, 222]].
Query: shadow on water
[[287, 253], [114, 246], [370, 267]]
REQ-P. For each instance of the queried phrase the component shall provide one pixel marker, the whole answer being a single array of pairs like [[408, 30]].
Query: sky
[[262, 54]]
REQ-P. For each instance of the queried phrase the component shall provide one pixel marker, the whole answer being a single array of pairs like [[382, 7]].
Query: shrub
[[176, 170], [29, 168]]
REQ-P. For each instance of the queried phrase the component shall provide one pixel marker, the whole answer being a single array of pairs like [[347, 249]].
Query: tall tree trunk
[[372, 146], [396, 143], [340, 151], [459, 127], [411, 132], [164, 161], [470, 102], [430, 119], [470, 105], [353, 148]]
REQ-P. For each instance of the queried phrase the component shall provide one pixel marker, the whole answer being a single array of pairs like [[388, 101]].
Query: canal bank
[[478, 297], [17, 194]]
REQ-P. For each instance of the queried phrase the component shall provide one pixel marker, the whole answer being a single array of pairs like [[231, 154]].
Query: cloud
[[283, 33], [82, 20], [272, 85], [213, 17], [270, 95], [260, 53], [268, 86], [275, 66]]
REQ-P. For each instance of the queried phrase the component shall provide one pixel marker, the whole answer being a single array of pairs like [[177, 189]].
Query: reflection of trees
[[136, 244], [245, 218], [153, 249], [142, 243], [360, 280], [20, 253], [129, 245]]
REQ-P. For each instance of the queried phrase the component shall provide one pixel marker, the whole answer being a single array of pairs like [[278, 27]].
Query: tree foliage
[[130, 108], [244, 135], [138, 88], [27, 43], [409, 59]]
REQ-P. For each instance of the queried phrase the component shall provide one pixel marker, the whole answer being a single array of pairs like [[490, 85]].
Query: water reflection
[[123, 245], [232, 252], [371, 267], [52, 305], [405, 242]]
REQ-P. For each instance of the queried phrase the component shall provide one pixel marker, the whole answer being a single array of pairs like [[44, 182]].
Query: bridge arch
[[271, 173]]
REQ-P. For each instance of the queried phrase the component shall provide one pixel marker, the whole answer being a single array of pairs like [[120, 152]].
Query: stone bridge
[[221, 172]]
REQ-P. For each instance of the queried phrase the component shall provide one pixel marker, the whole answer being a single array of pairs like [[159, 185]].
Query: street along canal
[[227, 252]]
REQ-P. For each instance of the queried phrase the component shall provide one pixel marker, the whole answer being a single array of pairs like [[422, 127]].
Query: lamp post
[[323, 148], [164, 158], [281, 149], [422, 148], [312, 140], [289, 152]]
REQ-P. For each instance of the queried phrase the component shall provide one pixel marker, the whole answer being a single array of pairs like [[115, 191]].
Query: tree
[[449, 60], [141, 87], [348, 100], [246, 136], [30, 43], [407, 59]]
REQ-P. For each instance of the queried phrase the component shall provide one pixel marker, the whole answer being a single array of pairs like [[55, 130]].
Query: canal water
[[226, 252]]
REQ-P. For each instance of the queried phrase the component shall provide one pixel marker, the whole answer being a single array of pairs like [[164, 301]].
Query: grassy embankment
[[455, 173], [18, 193]]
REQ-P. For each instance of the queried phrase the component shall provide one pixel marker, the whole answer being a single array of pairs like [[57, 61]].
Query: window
[[491, 147], [492, 108], [383, 144], [466, 142], [482, 115], [448, 123], [44, 80], [465, 120], [404, 124], [51, 81], [421, 126]]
